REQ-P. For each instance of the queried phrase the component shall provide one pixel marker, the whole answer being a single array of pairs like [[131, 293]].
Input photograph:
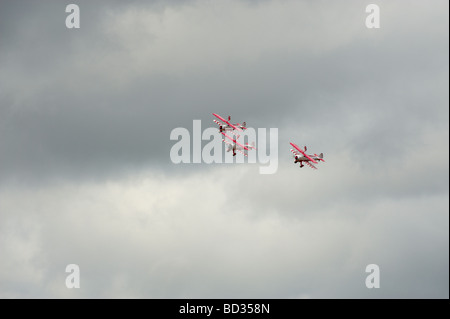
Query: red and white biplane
[[225, 125], [301, 157], [234, 145]]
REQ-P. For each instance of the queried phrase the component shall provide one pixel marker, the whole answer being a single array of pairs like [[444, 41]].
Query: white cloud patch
[[157, 236]]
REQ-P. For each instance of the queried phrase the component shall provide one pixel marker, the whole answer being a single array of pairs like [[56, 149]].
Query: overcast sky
[[86, 177]]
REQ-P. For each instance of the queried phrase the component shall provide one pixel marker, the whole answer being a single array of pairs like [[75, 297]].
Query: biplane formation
[[231, 133]]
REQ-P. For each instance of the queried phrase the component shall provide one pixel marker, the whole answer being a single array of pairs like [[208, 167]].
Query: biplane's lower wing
[[217, 122], [310, 165], [295, 152], [242, 152]]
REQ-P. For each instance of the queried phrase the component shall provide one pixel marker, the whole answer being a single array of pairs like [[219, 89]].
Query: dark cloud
[[79, 105], [85, 120]]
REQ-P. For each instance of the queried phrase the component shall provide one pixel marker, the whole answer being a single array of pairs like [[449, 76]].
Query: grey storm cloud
[[106, 96], [86, 177]]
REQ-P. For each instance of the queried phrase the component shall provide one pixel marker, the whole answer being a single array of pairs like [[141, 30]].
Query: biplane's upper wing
[[304, 154]]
